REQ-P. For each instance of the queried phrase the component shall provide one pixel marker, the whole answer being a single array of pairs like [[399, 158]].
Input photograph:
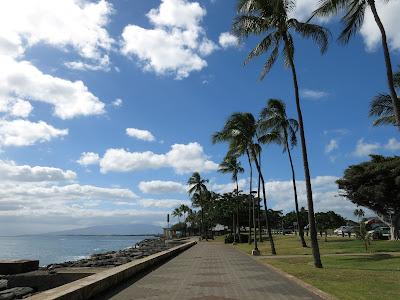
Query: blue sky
[[78, 74]]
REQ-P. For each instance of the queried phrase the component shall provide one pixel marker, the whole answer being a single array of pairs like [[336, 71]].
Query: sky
[[107, 107]]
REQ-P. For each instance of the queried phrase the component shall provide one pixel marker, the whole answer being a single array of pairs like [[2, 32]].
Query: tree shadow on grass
[[370, 258]]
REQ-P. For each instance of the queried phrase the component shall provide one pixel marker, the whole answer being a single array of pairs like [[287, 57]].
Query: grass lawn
[[376, 276], [290, 245]]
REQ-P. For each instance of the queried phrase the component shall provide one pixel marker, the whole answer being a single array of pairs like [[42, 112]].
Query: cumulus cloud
[[183, 158], [140, 134], [177, 27], [117, 102], [392, 145], [9, 170], [79, 24], [229, 187], [227, 40], [388, 12], [70, 99], [88, 158], [162, 203], [331, 146], [26, 133], [313, 94], [161, 187], [325, 194], [364, 149]]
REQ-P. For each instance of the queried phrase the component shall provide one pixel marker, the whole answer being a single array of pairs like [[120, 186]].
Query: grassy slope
[[288, 245], [375, 276]]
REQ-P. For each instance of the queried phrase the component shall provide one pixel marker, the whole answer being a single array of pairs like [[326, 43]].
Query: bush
[[243, 238]]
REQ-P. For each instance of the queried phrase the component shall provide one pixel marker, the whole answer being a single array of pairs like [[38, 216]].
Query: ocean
[[55, 249]]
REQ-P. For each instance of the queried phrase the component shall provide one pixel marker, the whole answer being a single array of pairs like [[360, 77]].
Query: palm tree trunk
[[271, 240], [389, 71], [299, 223], [258, 201], [237, 209], [250, 196], [307, 176]]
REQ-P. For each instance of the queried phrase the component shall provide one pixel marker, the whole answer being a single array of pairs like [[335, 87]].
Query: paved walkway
[[211, 271]]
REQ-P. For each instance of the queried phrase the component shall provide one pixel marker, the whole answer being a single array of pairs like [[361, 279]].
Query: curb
[[96, 284]]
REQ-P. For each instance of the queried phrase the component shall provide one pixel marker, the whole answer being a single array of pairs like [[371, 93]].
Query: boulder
[[17, 292], [3, 284]]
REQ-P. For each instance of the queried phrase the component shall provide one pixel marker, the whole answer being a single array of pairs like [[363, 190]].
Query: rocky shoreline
[[23, 285], [115, 258]]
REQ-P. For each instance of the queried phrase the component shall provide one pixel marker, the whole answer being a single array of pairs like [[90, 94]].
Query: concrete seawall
[[93, 285]]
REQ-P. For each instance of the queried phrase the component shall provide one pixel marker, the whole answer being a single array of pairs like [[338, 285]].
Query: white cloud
[[227, 40], [9, 170], [313, 94], [364, 149], [140, 134], [392, 145], [21, 108], [331, 146], [177, 28], [88, 158], [161, 187], [388, 12], [182, 158], [102, 65], [70, 99], [325, 195], [162, 203], [25, 133], [117, 102], [229, 187], [79, 24]]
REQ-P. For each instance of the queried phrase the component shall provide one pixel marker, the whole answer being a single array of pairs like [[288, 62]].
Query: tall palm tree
[[239, 131], [276, 127], [352, 20], [177, 213], [231, 165], [271, 17], [197, 189], [381, 106]]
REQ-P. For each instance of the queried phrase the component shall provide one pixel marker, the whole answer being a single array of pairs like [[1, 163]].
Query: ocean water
[[56, 249]]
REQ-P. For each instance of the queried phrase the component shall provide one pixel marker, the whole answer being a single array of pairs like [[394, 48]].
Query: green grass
[[290, 245], [376, 276]]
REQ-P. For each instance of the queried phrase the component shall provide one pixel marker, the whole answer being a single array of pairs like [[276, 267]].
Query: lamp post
[[255, 251]]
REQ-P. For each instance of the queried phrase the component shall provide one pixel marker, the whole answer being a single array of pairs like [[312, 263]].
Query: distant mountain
[[126, 229]]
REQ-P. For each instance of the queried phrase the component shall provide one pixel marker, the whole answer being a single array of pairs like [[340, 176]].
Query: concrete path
[[211, 271]]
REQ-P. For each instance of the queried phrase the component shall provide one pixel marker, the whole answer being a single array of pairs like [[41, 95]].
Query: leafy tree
[[291, 217], [198, 191], [354, 13], [381, 106], [375, 184], [233, 166], [276, 127], [240, 131], [272, 18], [328, 220]]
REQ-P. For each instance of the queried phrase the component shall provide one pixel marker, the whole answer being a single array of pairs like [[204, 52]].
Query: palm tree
[[352, 21], [276, 127], [239, 131], [197, 189], [359, 213], [177, 213], [231, 164], [381, 106], [272, 18]]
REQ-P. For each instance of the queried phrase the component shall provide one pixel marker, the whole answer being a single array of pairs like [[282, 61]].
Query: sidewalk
[[211, 271]]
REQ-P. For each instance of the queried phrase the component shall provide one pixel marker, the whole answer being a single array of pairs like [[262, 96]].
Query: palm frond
[[328, 8], [270, 62], [381, 107], [261, 48], [245, 25], [319, 34], [353, 19]]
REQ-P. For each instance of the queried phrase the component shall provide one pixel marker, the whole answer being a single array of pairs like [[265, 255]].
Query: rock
[[8, 296], [3, 284], [17, 292]]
